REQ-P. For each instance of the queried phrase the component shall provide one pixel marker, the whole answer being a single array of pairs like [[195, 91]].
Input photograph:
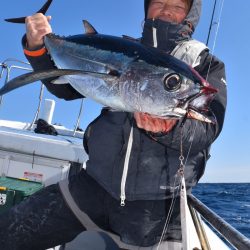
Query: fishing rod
[[211, 22], [216, 32]]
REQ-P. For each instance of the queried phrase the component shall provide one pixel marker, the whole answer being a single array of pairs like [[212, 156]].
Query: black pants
[[44, 220]]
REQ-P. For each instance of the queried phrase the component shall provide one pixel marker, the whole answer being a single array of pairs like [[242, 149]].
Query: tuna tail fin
[[43, 10]]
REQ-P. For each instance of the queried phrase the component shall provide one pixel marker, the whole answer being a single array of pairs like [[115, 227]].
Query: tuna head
[[126, 75]]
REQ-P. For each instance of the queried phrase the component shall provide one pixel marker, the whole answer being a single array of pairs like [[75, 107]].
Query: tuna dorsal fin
[[22, 19], [89, 29]]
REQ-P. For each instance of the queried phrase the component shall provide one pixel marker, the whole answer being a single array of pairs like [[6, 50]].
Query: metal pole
[[233, 236], [200, 229]]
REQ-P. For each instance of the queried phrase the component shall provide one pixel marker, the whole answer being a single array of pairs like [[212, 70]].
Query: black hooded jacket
[[154, 159]]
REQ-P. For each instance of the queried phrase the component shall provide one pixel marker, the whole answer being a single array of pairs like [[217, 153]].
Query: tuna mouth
[[197, 106], [203, 99]]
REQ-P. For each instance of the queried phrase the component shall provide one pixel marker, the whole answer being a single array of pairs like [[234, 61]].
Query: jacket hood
[[193, 16], [166, 35]]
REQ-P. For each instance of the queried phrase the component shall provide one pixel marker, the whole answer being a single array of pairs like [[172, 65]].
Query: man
[[45, 220]]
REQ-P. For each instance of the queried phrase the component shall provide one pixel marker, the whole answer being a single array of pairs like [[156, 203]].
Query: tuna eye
[[172, 82]]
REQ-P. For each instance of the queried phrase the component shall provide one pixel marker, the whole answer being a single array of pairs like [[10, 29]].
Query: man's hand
[[37, 26], [155, 125]]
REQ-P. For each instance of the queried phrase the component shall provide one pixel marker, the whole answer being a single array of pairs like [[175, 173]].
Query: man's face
[[173, 11]]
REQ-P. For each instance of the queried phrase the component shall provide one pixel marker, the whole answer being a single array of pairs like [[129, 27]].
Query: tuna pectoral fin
[[42, 75]]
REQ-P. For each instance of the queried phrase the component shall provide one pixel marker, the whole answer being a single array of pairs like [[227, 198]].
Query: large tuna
[[123, 74]]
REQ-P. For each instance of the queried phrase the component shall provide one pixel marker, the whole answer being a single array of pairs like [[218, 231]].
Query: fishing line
[[209, 68], [181, 168], [173, 200], [180, 172], [196, 123], [174, 196], [177, 190]]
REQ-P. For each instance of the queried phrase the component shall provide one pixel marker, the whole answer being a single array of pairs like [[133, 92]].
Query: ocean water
[[231, 201]]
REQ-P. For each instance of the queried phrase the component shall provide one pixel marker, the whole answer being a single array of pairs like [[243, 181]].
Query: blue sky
[[230, 161]]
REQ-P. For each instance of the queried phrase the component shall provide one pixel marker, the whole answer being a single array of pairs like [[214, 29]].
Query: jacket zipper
[[125, 168]]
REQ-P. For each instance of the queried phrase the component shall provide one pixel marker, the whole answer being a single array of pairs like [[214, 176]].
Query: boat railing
[[6, 68], [230, 234]]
